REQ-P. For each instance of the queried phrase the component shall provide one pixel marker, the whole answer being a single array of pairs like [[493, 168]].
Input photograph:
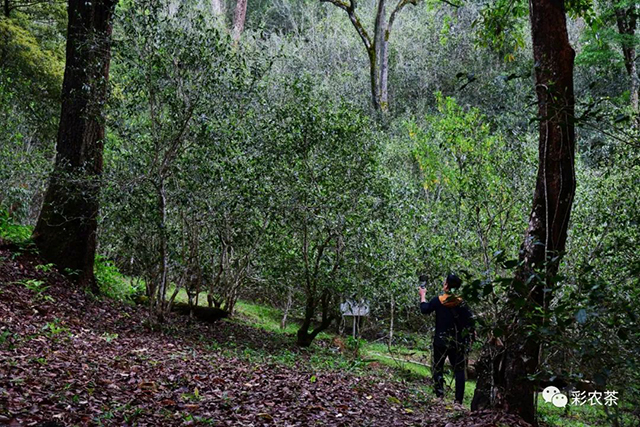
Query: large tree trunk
[[239, 18], [503, 383], [65, 232], [626, 20]]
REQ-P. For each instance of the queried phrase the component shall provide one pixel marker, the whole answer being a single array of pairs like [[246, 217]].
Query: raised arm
[[427, 307]]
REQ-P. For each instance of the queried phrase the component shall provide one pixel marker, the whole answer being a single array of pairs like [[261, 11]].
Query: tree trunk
[[65, 232], [505, 384], [377, 46], [391, 319], [287, 308], [384, 75], [164, 262], [239, 18], [626, 20], [381, 46], [217, 7], [304, 337], [7, 8], [373, 76]]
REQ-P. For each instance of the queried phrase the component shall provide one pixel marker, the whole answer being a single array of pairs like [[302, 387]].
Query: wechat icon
[[552, 394]]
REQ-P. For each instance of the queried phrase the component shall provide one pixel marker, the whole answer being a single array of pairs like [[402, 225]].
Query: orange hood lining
[[449, 300]]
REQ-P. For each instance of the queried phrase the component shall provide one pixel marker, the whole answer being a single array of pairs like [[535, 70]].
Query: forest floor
[[68, 358]]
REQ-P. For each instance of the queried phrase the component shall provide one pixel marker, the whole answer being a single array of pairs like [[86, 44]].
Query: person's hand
[[422, 292]]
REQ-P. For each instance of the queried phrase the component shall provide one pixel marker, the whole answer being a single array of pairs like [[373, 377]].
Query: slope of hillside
[[67, 358]]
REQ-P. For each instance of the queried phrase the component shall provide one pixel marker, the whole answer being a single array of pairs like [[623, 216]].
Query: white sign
[[353, 308]]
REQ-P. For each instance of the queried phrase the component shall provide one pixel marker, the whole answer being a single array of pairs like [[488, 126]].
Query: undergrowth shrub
[[114, 284], [12, 232]]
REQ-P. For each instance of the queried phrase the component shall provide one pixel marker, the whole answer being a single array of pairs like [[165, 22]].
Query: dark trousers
[[456, 357]]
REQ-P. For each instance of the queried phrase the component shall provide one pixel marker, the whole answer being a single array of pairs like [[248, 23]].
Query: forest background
[[264, 162]]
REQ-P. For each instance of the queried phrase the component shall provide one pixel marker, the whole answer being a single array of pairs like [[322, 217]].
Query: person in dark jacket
[[454, 329]]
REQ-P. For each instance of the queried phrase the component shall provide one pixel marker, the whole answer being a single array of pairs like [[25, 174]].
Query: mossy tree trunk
[[65, 232]]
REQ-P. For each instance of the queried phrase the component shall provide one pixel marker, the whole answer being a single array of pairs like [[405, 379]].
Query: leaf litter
[[71, 359]]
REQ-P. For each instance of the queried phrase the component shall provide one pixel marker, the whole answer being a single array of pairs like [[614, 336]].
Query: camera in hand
[[422, 281]]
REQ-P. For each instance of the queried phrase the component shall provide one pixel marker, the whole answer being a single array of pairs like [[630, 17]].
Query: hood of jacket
[[449, 300]]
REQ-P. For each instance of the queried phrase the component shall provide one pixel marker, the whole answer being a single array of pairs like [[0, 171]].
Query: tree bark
[[505, 383], [65, 232], [287, 308], [626, 20], [239, 18]]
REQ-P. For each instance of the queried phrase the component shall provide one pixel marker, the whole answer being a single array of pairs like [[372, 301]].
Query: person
[[454, 330]]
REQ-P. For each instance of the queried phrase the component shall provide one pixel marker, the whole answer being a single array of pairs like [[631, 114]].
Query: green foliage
[[473, 185], [109, 337], [278, 190], [327, 196], [112, 283], [165, 157], [30, 83], [54, 328], [45, 268], [603, 269], [500, 27], [38, 287], [34, 285], [12, 232], [601, 53]]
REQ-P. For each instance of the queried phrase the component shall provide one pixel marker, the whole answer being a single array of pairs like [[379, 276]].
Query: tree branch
[[350, 8], [450, 3], [401, 4]]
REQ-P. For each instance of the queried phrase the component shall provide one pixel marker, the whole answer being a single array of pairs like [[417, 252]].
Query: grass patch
[[253, 314], [414, 365], [583, 416], [263, 317], [114, 284]]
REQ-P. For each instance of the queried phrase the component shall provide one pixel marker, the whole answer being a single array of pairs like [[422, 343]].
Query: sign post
[[355, 310]]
